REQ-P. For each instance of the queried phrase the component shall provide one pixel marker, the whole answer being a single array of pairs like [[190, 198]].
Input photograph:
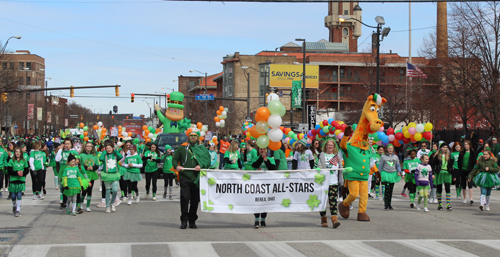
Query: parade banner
[[297, 94], [39, 113], [256, 192], [49, 117], [31, 108]]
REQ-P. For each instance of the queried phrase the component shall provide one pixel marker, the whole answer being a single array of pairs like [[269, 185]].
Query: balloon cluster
[[122, 133], [328, 127], [220, 119], [198, 127], [100, 130], [149, 133], [267, 130], [292, 138], [411, 133]]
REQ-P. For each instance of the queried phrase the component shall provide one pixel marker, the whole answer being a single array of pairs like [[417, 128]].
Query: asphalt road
[[151, 228]]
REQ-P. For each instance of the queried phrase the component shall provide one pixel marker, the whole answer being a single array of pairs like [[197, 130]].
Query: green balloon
[[151, 130], [375, 136], [275, 107], [326, 129], [82, 136], [85, 128], [283, 111], [263, 141]]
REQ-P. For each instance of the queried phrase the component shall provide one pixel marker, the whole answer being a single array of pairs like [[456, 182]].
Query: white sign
[[256, 192]]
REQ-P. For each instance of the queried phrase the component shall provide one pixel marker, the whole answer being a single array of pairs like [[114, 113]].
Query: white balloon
[[124, 129], [226, 110], [202, 133], [222, 125], [420, 128], [150, 135], [274, 121], [204, 128], [99, 124], [124, 134], [119, 144], [275, 135], [272, 97], [224, 113], [217, 124], [223, 122]]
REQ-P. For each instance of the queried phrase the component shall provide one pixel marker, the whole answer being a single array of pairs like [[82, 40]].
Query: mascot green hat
[[176, 99]]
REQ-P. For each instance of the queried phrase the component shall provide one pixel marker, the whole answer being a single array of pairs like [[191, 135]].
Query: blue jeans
[[486, 191], [19, 196]]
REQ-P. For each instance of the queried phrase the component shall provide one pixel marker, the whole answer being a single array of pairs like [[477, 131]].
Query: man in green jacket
[[193, 156]]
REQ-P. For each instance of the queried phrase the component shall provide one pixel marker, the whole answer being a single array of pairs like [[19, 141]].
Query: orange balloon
[[119, 127], [85, 134], [148, 140], [274, 145], [219, 113], [146, 132], [396, 143], [144, 127], [95, 127], [202, 138], [82, 125], [129, 134], [263, 113], [216, 143], [255, 133], [199, 125], [86, 138], [247, 138], [221, 109], [287, 130], [104, 130], [119, 132], [216, 119]]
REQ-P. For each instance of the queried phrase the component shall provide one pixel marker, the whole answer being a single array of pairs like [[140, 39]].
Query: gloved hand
[[66, 188]]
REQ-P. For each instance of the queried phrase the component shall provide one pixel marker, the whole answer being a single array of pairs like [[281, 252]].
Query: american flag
[[334, 161], [414, 71]]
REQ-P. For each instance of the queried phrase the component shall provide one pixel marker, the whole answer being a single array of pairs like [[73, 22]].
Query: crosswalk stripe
[[106, 250], [183, 249], [30, 250], [434, 248], [355, 248], [273, 249], [490, 243]]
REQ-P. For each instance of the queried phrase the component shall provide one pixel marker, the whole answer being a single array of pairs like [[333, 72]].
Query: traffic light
[[97, 116], [81, 117], [113, 117], [117, 91], [132, 97], [72, 92], [4, 97]]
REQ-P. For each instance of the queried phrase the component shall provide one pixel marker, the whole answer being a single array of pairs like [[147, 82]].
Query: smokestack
[[442, 31]]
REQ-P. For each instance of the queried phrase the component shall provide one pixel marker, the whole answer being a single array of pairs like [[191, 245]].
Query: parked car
[[174, 140]]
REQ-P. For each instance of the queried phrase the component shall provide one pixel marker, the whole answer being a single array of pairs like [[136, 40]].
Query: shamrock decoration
[[230, 207], [211, 181], [210, 202], [206, 208], [318, 178], [203, 191], [203, 173], [285, 202], [287, 174], [313, 201], [246, 176]]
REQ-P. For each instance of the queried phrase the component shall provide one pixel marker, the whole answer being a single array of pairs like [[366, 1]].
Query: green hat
[[168, 147], [175, 100], [197, 133], [243, 145]]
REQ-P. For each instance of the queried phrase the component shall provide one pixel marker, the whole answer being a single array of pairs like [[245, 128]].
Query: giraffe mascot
[[359, 157]]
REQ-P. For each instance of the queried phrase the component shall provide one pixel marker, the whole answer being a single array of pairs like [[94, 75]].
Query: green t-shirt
[[17, 166], [64, 159], [134, 159], [411, 164], [167, 164], [465, 162], [151, 165], [454, 157], [26, 157], [72, 174], [280, 155], [3, 157], [39, 159], [233, 156], [444, 164], [110, 161], [251, 157], [88, 160], [263, 165]]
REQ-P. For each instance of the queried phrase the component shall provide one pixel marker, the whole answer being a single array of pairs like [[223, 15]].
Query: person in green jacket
[[90, 165], [214, 164], [109, 174], [232, 157], [250, 156], [3, 171], [263, 162], [72, 183], [18, 169], [151, 159], [168, 173], [280, 159], [195, 157], [132, 164], [484, 175], [37, 162], [62, 158]]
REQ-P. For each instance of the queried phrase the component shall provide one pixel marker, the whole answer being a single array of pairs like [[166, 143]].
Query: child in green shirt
[[168, 174]]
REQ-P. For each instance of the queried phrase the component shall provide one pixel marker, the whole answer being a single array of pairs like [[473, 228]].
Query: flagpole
[[409, 54], [406, 86]]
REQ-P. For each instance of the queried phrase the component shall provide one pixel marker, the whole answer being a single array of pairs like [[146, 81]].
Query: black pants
[[260, 215], [88, 191], [464, 181], [168, 179], [41, 179], [132, 186], [103, 190], [149, 176], [412, 187], [123, 185], [190, 197], [6, 177], [34, 180], [446, 188], [388, 193]]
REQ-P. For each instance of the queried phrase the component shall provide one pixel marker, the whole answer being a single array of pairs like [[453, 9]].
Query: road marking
[[30, 250], [106, 250], [355, 248], [183, 249], [434, 248], [490, 243], [273, 249]]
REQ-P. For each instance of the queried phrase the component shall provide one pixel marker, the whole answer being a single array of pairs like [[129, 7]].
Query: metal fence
[[455, 135]]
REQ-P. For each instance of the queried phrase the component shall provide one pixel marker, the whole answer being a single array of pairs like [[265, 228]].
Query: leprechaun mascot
[[173, 120]]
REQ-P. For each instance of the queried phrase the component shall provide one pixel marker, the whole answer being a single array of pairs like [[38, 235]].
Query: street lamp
[[244, 68], [380, 21], [303, 79], [206, 87], [6, 42]]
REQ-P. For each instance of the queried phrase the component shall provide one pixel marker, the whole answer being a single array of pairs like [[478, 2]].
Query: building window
[[21, 66], [4, 66], [345, 32], [342, 72], [346, 12], [28, 65], [401, 73], [28, 81]]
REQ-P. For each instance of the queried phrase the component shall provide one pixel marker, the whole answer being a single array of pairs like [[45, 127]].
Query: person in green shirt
[[37, 162], [250, 156], [455, 154], [232, 157], [72, 183], [109, 174], [3, 171], [280, 159], [62, 158], [18, 169], [466, 162], [90, 165], [442, 165], [380, 152], [10, 153], [151, 159], [263, 162], [195, 157], [53, 164], [409, 167], [168, 173], [213, 156], [132, 164]]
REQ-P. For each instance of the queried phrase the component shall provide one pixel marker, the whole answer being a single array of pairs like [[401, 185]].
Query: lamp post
[[206, 87], [6, 42], [380, 21], [244, 68], [303, 79]]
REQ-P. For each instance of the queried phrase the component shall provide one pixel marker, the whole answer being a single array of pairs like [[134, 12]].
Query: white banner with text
[[256, 192]]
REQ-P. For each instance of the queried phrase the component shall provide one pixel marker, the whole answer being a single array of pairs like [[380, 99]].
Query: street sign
[[311, 116], [204, 97], [137, 118]]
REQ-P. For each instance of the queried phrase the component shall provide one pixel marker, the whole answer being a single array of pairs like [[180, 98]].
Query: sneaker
[[57, 188], [154, 198], [390, 208], [440, 208], [404, 195], [40, 196], [100, 189], [129, 202], [262, 223], [101, 205], [459, 198], [165, 195], [121, 197], [60, 201], [435, 201], [351, 207], [14, 210], [147, 195], [412, 205], [125, 199], [171, 198], [138, 198], [386, 208], [471, 202], [73, 213], [18, 214], [481, 207], [80, 211], [108, 210], [464, 201], [22, 194], [448, 207], [256, 225], [88, 209], [116, 203], [487, 208], [34, 197], [113, 208], [44, 191], [418, 207], [376, 197], [426, 210]]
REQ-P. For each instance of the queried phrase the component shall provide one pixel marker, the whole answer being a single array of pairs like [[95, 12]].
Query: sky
[[145, 45]]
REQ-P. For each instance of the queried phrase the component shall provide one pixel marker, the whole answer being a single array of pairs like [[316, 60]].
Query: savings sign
[[282, 75]]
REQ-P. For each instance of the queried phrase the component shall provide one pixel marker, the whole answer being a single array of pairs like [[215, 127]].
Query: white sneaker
[[101, 205], [116, 203], [459, 198], [418, 207], [487, 208], [125, 199], [108, 210], [40, 196], [351, 207], [426, 210], [147, 195], [88, 209], [464, 201], [57, 188], [435, 200], [100, 189], [129, 202], [154, 198], [137, 199], [60, 201], [113, 208]]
